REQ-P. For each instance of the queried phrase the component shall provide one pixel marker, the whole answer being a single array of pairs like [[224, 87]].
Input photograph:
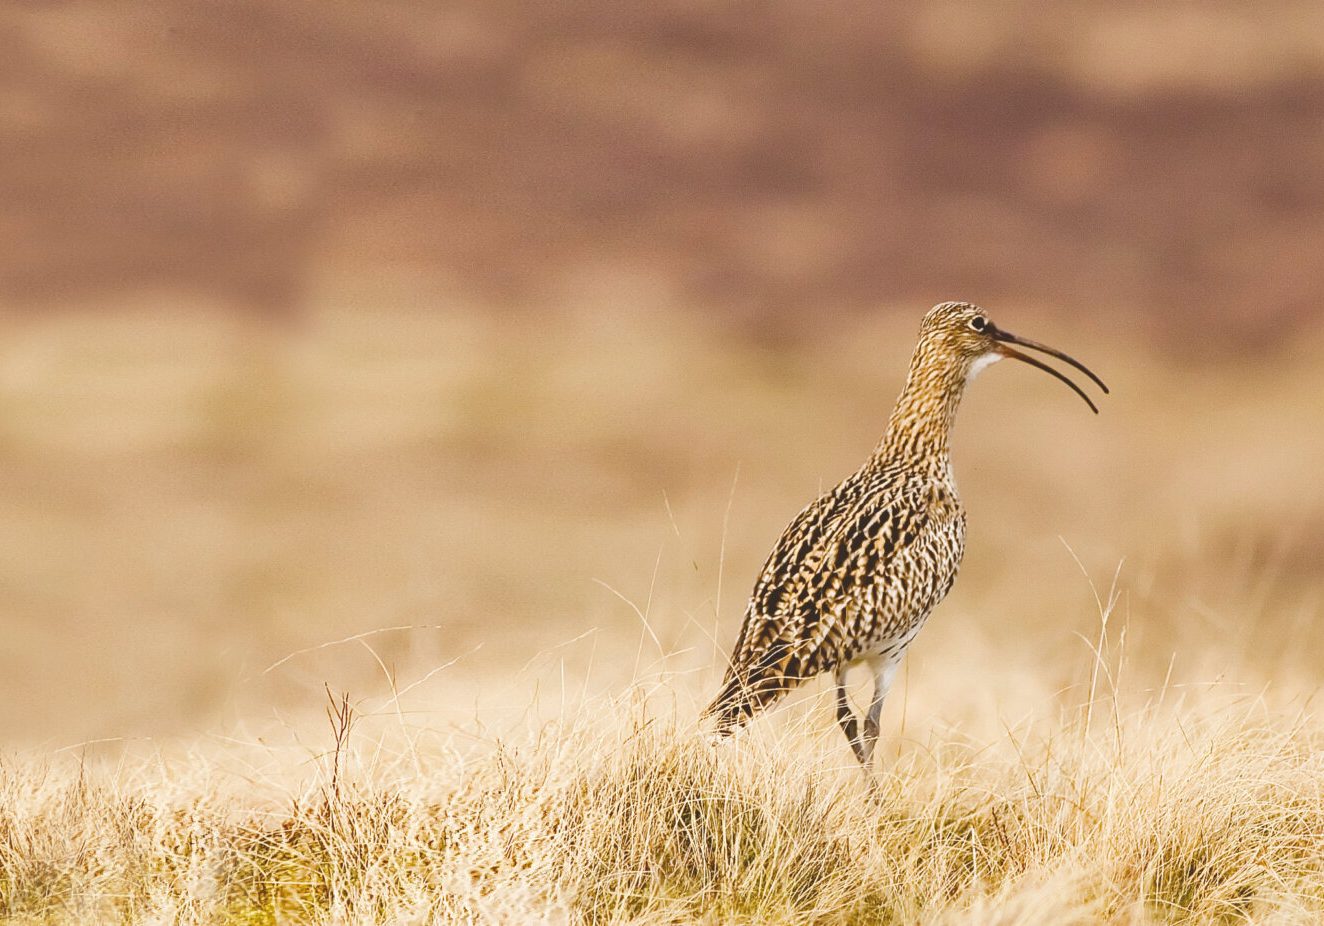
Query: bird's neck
[[925, 410]]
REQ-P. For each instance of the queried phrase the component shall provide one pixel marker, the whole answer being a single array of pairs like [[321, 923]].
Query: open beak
[[1005, 338]]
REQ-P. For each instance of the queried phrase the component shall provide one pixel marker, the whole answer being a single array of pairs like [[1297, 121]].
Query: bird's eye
[[979, 323]]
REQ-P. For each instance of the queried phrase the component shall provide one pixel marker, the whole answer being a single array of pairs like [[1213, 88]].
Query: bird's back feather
[[854, 573]]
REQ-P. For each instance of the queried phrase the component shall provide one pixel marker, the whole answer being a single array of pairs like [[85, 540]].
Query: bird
[[855, 575]]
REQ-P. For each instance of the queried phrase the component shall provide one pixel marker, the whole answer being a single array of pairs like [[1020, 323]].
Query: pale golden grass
[[1207, 811], [205, 522], [996, 800]]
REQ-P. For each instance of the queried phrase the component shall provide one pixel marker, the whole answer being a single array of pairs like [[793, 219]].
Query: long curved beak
[[1005, 338]]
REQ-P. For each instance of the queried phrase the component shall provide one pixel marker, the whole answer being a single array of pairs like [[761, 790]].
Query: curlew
[[856, 574]]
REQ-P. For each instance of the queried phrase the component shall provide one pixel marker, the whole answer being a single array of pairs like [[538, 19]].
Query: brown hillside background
[[319, 319]]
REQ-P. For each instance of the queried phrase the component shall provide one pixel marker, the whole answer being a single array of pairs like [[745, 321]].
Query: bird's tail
[[731, 709], [745, 693]]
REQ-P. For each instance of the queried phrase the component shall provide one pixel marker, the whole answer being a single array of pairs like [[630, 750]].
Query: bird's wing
[[804, 614]]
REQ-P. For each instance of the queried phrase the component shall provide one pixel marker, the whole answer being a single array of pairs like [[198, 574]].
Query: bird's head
[[963, 332]]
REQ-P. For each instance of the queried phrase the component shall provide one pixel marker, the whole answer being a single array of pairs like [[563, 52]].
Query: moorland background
[[514, 325]]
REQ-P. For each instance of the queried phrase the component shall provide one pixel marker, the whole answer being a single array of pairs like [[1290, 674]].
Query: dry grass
[[996, 801], [1208, 812], [191, 501]]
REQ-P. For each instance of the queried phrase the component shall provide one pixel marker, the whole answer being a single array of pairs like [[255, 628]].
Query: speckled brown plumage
[[856, 574]]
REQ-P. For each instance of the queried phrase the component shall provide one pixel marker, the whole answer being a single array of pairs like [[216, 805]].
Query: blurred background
[[514, 324]]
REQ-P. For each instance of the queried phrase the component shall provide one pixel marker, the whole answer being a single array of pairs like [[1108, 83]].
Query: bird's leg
[[846, 717], [884, 673]]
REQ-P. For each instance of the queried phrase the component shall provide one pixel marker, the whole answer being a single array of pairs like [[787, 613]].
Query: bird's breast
[[943, 503]]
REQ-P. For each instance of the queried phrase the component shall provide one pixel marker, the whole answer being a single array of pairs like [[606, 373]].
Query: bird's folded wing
[[805, 604]]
